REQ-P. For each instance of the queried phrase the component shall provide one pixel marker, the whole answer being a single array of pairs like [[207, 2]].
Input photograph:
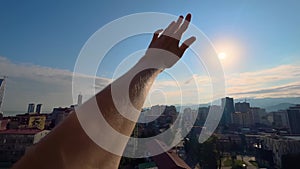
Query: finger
[[169, 29], [156, 35], [184, 26], [177, 24], [187, 43]]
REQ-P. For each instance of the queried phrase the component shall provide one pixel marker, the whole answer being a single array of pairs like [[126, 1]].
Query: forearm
[[68, 145], [139, 87]]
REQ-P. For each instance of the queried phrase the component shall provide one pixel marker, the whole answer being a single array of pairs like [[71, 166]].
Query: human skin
[[68, 145]]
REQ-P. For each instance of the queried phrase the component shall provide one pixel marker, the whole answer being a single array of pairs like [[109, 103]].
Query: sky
[[41, 40]]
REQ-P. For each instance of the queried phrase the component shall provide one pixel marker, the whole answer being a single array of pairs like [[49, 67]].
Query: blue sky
[[258, 36]]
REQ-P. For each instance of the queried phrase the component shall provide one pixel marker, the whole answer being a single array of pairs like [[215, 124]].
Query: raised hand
[[168, 40]]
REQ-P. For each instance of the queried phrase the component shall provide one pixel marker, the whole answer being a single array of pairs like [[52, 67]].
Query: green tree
[[208, 153]]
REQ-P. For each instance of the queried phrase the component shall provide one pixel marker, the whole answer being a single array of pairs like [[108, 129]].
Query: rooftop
[[20, 131]]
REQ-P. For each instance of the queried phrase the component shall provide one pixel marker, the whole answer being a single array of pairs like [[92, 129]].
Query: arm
[[68, 146]]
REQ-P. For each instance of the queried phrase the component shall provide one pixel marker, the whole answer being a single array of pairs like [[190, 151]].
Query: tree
[[208, 153]]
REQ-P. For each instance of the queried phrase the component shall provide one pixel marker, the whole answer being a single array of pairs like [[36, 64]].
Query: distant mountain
[[192, 106], [270, 104], [274, 103], [281, 106]]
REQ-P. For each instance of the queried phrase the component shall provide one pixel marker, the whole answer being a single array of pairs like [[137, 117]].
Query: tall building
[[242, 107], [280, 119], [228, 109], [30, 108], [293, 117], [38, 108], [202, 115], [2, 88], [242, 119], [258, 114], [79, 100]]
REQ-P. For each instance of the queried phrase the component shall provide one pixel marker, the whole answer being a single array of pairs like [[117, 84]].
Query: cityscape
[[230, 101], [246, 137]]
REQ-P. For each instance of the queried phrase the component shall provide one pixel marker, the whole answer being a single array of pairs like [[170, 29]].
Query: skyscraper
[[242, 107], [2, 88], [38, 108], [30, 108], [79, 100], [228, 109], [294, 116]]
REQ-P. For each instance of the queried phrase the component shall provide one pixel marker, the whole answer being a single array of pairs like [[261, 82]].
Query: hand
[[161, 45]]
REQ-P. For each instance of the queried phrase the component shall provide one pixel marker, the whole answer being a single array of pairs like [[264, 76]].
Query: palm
[[170, 38]]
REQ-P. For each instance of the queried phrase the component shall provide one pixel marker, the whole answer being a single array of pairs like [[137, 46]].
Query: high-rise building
[[293, 117], [202, 115], [79, 100], [280, 119], [228, 109], [242, 119], [30, 108], [2, 90], [258, 114], [38, 108], [242, 107]]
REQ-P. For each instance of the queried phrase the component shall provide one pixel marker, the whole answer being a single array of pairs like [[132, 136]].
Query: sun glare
[[222, 55], [229, 52]]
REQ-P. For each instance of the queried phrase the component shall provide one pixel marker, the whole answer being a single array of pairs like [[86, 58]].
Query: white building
[[281, 146]]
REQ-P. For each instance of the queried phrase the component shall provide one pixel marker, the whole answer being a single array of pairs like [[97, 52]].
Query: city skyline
[[40, 43]]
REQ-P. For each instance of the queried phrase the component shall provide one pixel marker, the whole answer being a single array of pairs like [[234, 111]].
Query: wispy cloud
[[32, 83], [53, 87], [280, 81]]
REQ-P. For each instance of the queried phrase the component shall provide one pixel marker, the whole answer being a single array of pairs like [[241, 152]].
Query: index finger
[[184, 26]]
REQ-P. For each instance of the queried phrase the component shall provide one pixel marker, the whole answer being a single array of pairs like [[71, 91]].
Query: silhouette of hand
[[164, 47]]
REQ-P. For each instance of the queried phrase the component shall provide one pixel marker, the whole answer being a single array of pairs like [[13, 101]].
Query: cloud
[[289, 88], [279, 81], [28, 83], [52, 87]]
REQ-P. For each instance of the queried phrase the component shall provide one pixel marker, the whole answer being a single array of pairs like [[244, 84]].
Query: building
[[293, 118], [3, 123], [58, 115], [38, 108], [79, 100], [14, 143], [27, 121], [168, 159], [280, 119], [257, 115], [237, 118], [242, 107], [242, 119], [202, 115], [30, 108], [189, 116], [2, 90], [37, 122], [279, 147], [228, 108]]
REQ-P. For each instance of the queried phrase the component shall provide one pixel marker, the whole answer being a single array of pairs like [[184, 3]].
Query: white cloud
[[28, 83], [280, 81]]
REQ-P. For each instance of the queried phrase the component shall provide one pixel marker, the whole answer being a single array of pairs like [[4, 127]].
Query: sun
[[222, 55]]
